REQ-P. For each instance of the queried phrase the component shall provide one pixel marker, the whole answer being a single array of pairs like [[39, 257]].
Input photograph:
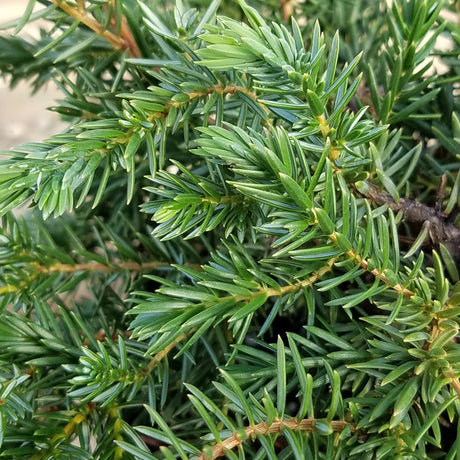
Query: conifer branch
[[164, 352], [440, 228], [67, 431], [235, 165], [381, 275], [192, 95], [264, 429], [110, 267], [123, 41]]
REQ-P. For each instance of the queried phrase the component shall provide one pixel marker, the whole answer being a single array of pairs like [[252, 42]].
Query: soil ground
[[23, 117]]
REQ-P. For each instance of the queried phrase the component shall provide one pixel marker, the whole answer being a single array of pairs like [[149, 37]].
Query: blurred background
[[23, 117]]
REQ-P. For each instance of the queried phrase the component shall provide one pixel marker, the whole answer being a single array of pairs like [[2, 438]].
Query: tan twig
[[125, 33], [120, 42], [263, 429], [98, 267]]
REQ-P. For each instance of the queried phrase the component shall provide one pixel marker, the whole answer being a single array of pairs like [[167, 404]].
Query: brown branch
[[124, 41], [263, 429], [98, 267], [88, 266], [126, 34], [440, 229]]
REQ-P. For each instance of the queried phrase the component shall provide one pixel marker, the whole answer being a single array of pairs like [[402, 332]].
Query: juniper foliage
[[246, 242]]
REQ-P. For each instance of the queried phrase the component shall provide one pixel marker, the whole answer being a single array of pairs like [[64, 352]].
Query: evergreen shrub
[[246, 242]]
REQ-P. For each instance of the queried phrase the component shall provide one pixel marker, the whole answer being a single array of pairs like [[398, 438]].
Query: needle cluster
[[246, 242]]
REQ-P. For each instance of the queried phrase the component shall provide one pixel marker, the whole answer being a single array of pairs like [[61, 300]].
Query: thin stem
[[270, 292], [117, 430], [88, 266], [316, 276], [163, 353], [363, 263], [273, 292], [126, 34], [229, 89], [98, 267], [10, 288], [124, 41], [440, 229], [263, 429]]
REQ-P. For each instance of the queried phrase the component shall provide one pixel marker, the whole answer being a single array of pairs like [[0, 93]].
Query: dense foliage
[[246, 242]]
